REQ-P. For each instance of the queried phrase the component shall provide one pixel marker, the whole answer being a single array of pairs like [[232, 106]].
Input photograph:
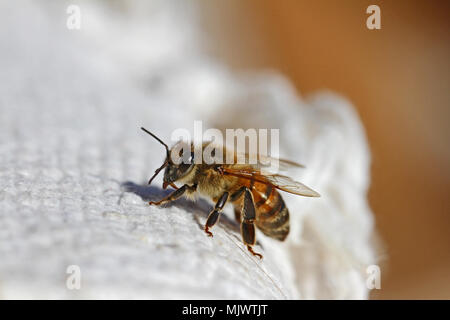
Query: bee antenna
[[167, 151], [158, 139], [157, 171]]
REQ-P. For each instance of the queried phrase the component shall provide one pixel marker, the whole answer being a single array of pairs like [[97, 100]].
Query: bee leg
[[237, 215], [248, 222], [175, 195], [236, 195], [233, 198], [254, 253], [214, 215]]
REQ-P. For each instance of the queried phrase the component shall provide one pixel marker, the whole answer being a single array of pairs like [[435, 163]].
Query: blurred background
[[398, 79]]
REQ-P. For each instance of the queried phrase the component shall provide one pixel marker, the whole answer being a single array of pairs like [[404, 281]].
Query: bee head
[[178, 164]]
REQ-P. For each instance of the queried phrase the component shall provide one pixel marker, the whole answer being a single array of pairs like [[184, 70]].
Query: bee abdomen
[[272, 214]]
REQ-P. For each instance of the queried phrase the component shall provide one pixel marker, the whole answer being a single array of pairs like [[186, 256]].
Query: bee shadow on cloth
[[199, 207]]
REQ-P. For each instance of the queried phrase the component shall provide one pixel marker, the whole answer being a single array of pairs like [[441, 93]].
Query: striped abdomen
[[272, 216]]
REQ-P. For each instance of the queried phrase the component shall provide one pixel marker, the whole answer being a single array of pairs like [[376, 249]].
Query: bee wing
[[285, 183], [264, 162], [280, 182]]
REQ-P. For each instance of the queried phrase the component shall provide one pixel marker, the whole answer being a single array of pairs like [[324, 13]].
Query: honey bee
[[253, 193]]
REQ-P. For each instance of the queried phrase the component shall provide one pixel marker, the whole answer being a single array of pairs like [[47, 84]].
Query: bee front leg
[[175, 195], [214, 215], [248, 222]]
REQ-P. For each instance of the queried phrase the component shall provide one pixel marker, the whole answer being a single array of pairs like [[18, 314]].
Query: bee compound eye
[[188, 158], [184, 168]]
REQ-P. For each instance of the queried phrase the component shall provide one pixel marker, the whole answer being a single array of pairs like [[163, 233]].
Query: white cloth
[[74, 164]]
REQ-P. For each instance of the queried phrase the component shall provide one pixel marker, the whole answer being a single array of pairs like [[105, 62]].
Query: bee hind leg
[[214, 215], [248, 222], [248, 236], [254, 253]]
